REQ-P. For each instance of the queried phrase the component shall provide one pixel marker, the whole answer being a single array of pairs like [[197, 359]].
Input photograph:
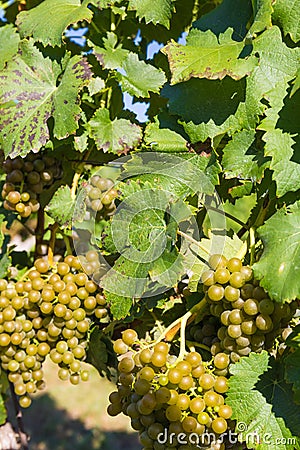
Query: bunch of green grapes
[[26, 179], [250, 320], [166, 396], [49, 312], [100, 196]]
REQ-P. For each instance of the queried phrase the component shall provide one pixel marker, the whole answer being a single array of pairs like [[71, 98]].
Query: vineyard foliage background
[[223, 100]]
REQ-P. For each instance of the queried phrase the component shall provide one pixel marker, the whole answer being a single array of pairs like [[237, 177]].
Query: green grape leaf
[[47, 22], [269, 80], [286, 173], [5, 263], [96, 85], [280, 394], [30, 95], [168, 269], [63, 208], [292, 369], [277, 268], [116, 136], [112, 55], [164, 139], [286, 15], [183, 176], [155, 11], [253, 414], [296, 83], [100, 353], [119, 306], [3, 412], [234, 14], [9, 47], [210, 108], [241, 157], [138, 78], [262, 15], [207, 56]]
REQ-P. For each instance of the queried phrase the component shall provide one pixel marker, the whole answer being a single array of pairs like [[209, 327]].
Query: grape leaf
[[5, 263], [47, 21], [164, 139], [30, 96], [292, 369], [168, 269], [155, 11], [207, 56], [11, 39], [139, 78], [116, 136], [96, 85], [278, 65], [296, 83], [112, 55], [286, 173], [183, 176], [262, 15], [100, 353], [278, 269], [119, 306], [280, 394], [234, 14], [251, 409], [3, 412], [286, 15], [63, 208], [212, 107], [242, 159]]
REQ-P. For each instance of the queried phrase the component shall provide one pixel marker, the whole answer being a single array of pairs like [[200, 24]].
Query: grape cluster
[[162, 394], [250, 320], [100, 196], [204, 332], [50, 313], [26, 179]]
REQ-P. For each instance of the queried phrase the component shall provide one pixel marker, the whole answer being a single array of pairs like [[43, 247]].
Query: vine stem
[[19, 417], [157, 322], [75, 182], [193, 241], [54, 228], [197, 344], [40, 230], [170, 332], [183, 325], [252, 245], [242, 252]]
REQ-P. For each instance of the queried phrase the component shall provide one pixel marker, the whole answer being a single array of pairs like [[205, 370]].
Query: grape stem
[[40, 230], [197, 344], [54, 229], [242, 252], [171, 331], [193, 241], [19, 417], [252, 245], [157, 322]]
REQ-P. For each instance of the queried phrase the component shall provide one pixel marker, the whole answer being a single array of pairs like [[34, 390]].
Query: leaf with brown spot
[[207, 56], [29, 96]]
